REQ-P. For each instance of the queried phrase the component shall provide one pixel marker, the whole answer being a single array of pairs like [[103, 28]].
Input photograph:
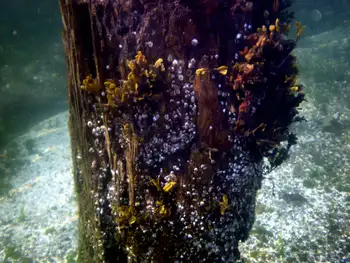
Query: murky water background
[[303, 208]]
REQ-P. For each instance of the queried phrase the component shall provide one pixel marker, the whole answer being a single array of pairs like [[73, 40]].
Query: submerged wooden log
[[173, 107]]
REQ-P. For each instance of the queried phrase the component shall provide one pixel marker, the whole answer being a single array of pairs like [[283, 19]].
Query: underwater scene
[[228, 145]]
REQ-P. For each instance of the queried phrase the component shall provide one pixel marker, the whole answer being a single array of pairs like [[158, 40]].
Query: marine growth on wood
[[180, 103]]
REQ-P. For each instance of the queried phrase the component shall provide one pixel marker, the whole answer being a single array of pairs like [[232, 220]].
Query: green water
[[32, 90]]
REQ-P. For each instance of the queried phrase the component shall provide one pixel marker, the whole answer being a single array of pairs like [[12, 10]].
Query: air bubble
[[149, 44]]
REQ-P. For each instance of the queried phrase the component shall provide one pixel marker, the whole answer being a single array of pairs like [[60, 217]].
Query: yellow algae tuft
[[158, 63], [222, 70], [169, 186], [156, 183], [294, 89], [223, 204], [140, 59], [132, 220], [300, 29], [201, 71], [131, 65], [89, 84], [141, 74], [277, 25]]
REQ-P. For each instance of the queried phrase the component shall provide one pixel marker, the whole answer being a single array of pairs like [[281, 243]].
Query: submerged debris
[[178, 131]]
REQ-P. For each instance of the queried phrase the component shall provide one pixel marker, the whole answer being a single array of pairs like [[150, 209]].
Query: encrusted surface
[[177, 114]]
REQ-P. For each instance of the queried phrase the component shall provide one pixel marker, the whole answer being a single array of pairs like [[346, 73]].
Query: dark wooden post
[[173, 106]]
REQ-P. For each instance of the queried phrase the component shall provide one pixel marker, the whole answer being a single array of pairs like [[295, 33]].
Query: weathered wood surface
[[173, 105]]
